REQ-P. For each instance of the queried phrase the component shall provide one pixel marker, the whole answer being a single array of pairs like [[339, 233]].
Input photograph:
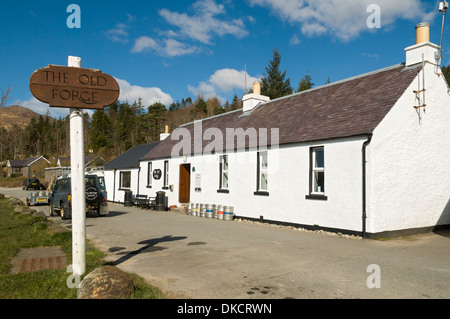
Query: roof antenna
[[245, 80], [443, 7]]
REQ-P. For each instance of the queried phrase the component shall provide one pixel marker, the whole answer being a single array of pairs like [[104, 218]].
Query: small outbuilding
[[123, 173]]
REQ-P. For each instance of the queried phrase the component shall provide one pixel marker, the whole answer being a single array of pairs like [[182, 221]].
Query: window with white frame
[[166, 174], [262, 174], [317, 171], [125, 180], [223, 172], [149, 174]]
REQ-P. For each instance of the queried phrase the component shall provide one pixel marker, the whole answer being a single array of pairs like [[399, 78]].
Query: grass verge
[[11, 182], [19, 231]]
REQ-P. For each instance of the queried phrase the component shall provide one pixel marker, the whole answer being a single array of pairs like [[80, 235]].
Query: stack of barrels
[[210, 211]]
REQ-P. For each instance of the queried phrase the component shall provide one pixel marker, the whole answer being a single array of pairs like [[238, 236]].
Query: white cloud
[[201, 26], [370, 55], [144, 43], [42, 108], [206, 90], [175, 48], [167, 47], [342, 19], [294, 40], [149, 95], [223, 81], [204, 24], [229, 79], [119, 33], [209, 7]]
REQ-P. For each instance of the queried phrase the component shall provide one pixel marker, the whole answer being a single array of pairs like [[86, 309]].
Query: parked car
[[96, 199], [38, 198], [32, 183]]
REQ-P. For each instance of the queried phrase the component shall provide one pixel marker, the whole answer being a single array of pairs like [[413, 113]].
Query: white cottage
[[369, 155], [122, 173]]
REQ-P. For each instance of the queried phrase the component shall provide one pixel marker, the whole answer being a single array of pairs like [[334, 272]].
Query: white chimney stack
[[250, 101], [423, 50], [164, 135]]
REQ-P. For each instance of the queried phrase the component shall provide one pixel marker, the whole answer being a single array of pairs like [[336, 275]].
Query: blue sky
[[169, 50]]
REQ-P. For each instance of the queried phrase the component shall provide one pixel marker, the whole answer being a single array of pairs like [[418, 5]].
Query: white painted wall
[[409, 161], [288, 184], [157, 185], [408, 173], [109, 184], [112, 181]]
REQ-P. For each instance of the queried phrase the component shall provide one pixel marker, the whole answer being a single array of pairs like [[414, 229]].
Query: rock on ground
[[106, 282]]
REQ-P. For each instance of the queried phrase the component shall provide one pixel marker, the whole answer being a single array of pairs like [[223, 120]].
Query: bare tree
[[4, 97]]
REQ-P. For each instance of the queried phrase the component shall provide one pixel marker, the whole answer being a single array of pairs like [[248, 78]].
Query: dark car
[[95, 192], [32, 183]]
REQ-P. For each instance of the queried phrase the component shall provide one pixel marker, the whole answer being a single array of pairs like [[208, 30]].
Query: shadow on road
[[150, 246], [445, 232], [112, 214]]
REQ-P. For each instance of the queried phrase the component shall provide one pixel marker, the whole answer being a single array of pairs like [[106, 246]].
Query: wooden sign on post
[[76, 88]]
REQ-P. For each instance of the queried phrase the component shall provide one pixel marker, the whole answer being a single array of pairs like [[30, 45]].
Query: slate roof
[[88, 159], [352, 107], [130, 159], [26, 162]]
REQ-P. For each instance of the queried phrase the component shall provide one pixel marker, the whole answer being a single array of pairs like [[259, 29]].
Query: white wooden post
[[78, 185]]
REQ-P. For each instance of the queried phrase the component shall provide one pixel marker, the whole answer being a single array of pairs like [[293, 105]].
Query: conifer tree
[[306, 83], [237, 103], [446, 72], [100, 130], [274, 83], [154, 120]]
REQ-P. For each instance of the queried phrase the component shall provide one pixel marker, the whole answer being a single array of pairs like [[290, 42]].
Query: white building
[[122, 173], [369, 155]]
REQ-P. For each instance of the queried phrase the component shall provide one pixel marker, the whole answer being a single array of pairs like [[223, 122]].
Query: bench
[[143, 201]]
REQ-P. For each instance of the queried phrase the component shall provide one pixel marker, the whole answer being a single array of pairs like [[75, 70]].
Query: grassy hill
[[16, 114]]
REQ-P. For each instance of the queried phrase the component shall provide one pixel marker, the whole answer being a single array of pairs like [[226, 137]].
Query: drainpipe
[[139, 175], [114, 187], [364, 182]]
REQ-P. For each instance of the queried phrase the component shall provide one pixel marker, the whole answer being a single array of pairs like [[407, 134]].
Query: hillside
[[16, 114]]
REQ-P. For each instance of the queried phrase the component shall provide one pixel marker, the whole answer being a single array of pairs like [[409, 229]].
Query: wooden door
[[185, 183]]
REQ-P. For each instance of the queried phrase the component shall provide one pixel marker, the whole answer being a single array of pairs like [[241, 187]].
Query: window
[[166, 175], [63, 185], [223, 177], [317, 174], [101, 183], [262, 175], [90, 181], [125, 179], [149, 175]]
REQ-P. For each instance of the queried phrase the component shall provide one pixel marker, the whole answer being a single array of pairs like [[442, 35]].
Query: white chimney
[[423, 50], [164, 135], [250, 101]]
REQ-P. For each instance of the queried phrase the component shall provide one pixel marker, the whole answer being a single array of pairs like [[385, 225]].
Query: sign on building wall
[[198, 182]]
